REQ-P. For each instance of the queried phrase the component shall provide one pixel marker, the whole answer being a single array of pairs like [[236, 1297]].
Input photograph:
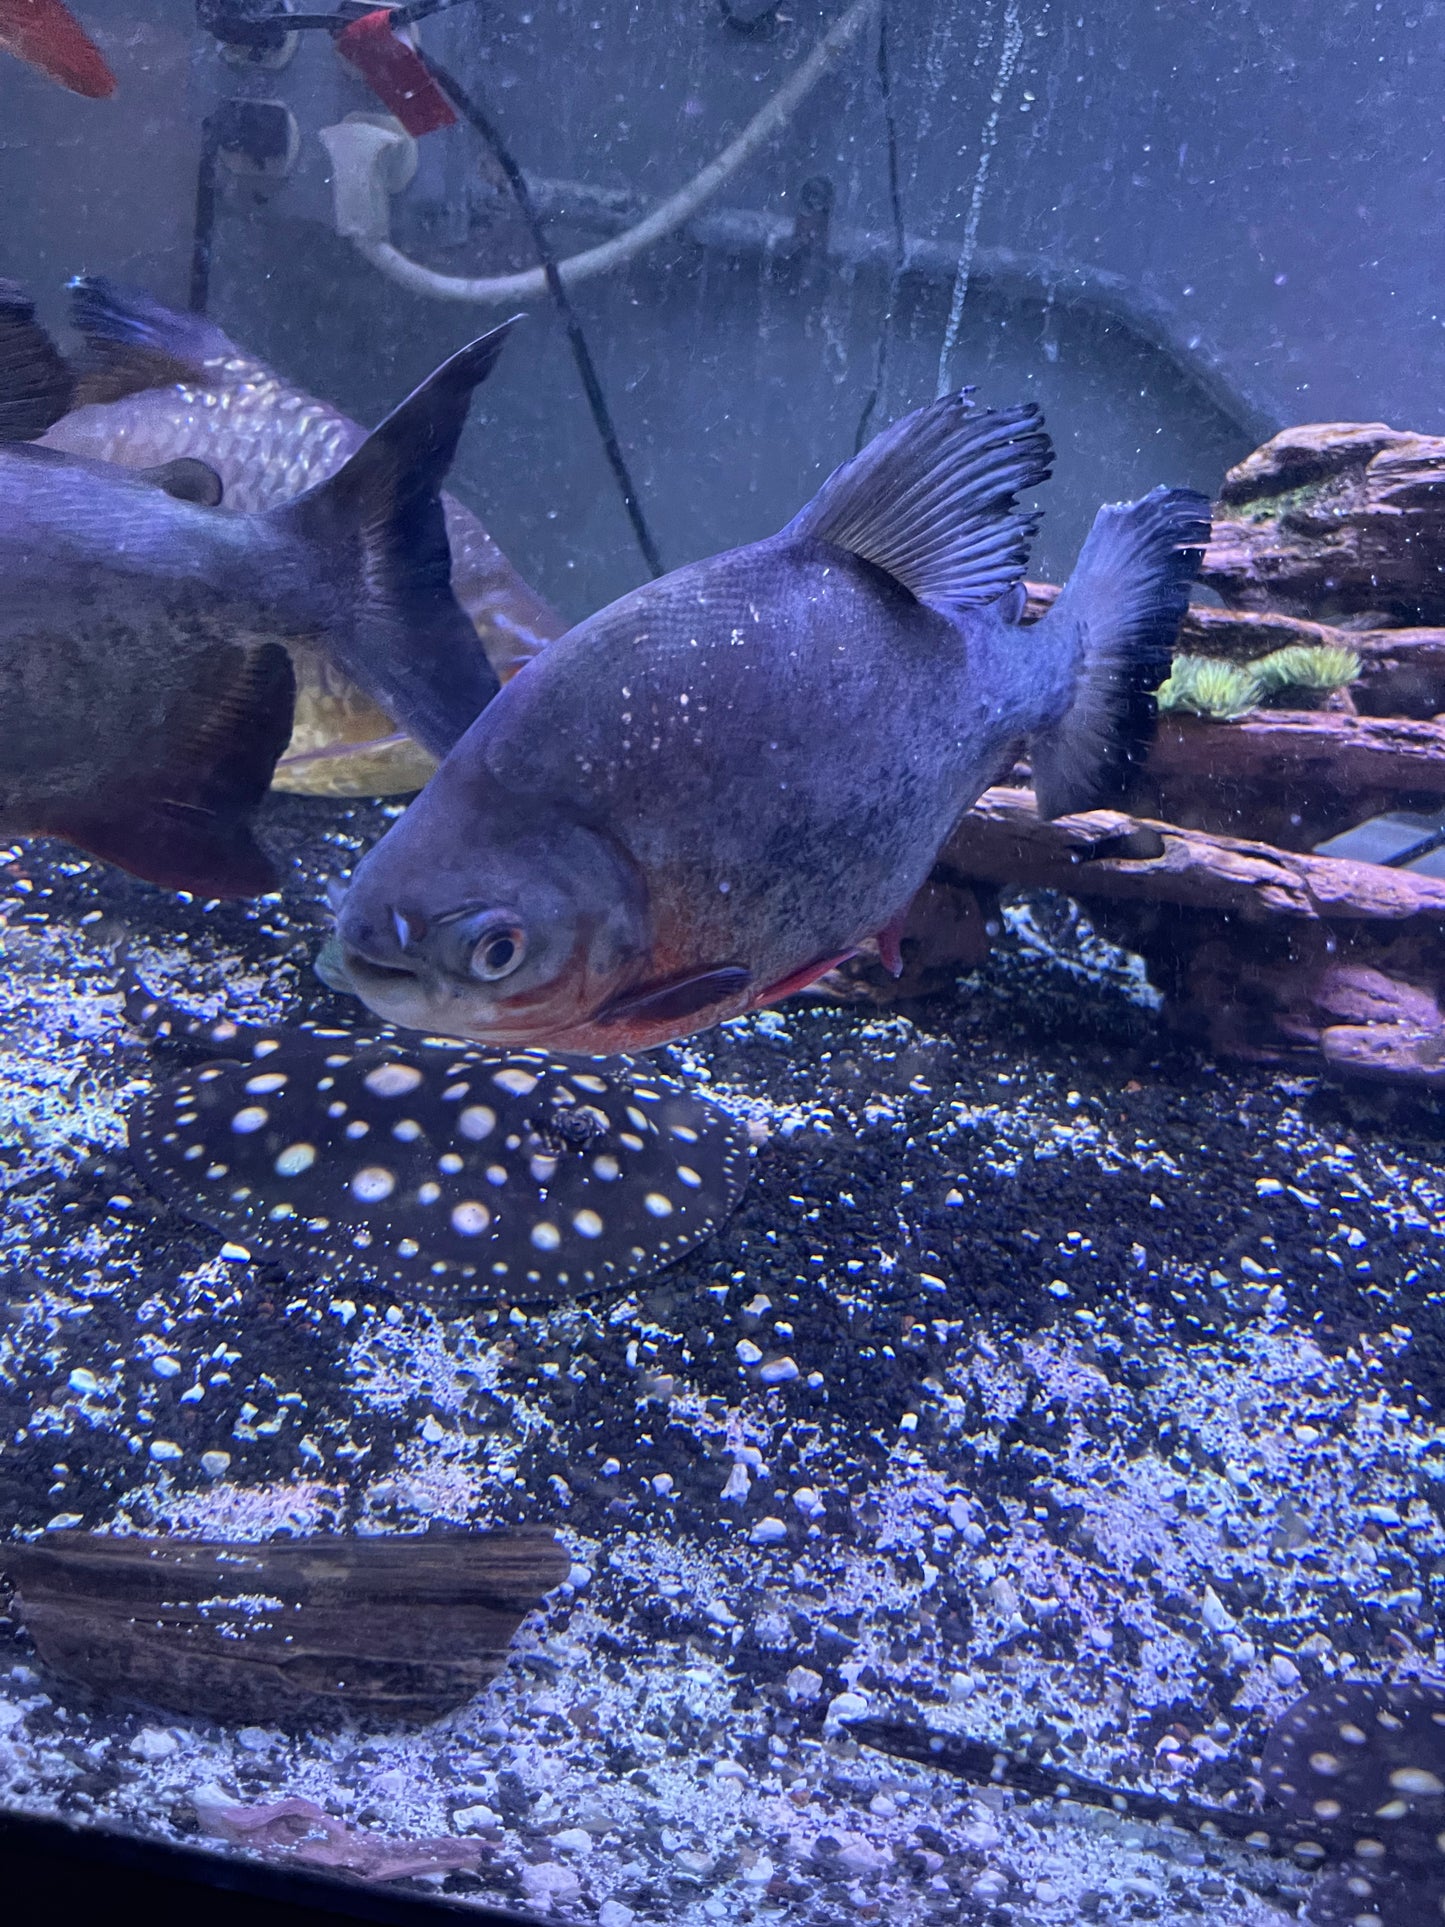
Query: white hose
[[362, 199]]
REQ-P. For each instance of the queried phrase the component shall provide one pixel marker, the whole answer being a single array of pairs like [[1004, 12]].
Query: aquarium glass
[[722, 945]]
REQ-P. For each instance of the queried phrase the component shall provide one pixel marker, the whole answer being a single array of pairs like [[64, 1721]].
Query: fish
[[153, 385], [706, 796], [145, 681], [430, 1167], [1353, 1778], [293, 1632], [48, 36]]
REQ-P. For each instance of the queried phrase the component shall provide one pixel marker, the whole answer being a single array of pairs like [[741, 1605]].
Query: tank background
[[1262, 173]]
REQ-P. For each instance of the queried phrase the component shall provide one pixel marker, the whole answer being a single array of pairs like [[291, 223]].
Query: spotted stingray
[[425, 1164], [1354, 1780]]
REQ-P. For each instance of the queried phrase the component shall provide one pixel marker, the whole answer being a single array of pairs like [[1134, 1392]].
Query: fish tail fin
[[49, 36], [36, 386], [931, 501], [1117, 618], [409, 645], [132, 342]]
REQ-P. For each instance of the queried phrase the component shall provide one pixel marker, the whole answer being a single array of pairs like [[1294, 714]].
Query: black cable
[[203, 230], [478, 118], [900, 242]]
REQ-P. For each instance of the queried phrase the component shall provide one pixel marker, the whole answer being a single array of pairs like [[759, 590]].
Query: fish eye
[[498, 951]]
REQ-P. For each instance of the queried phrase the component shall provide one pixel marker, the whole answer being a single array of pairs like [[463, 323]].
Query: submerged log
[[290, 1630]]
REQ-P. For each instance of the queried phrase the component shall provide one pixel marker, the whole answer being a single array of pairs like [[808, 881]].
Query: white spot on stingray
[[338, 1109], [250, 1119], [372, 1183], [335, 1062], [632, 1143], [454, 1091], [392, 1080], [280, 1211], [449, 1162], [1417, 1780], [295, 1159], [546, 1237], [688, 1175], [638, 1118], [428, 1193], [684, 1131], [217, 1170], [477, 1121], [496, 1174], [266, 1046], [516, 1083], [470, 1219], [585, 1081], [588, 1223], [406, 1130], [658, 1205], [606, 1168], [543, 1169], [407, 1248], [358, 1127], [267, 1082]]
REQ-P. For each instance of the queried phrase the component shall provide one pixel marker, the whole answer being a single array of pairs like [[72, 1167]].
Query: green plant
[[1204, 686], [1321, 666]]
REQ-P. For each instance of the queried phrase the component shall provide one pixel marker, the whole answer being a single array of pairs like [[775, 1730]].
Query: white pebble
[[547, 1881], [165, 1366], [615, 1913], [475, 1819], [748, 1352], [573, 1840], [777, 1371], [154, 1743], [843, 1707], [235, 1254], [165, 1450], [803, 1685], [215, 1464], [768, 1532]]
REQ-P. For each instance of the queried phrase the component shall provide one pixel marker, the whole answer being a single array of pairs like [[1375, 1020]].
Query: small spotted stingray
[[1354, 1778], [425, 1163]]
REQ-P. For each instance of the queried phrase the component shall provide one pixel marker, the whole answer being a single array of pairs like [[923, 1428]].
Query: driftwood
[[1262, 952], [291, 1630], [1334, 519]]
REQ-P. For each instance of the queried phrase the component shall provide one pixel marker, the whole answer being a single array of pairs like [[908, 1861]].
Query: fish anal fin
[[674, 998], [180, 817], [36, 385], [799, 979], [890, 944], [931, 501]]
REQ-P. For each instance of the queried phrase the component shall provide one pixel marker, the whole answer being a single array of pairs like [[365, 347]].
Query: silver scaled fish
[[154, 385], [433, 1167]]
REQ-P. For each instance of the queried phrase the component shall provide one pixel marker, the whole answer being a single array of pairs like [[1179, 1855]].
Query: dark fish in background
[[1354, 1780], [154, 385], [455, 1173], [707, 795], [287, 1631], [48, 36], [145, 686]]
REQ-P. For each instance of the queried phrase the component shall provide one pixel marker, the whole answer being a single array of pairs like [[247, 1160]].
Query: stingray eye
[[498, 951]]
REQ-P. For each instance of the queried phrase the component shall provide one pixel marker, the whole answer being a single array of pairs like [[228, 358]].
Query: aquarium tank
[[722, 904]]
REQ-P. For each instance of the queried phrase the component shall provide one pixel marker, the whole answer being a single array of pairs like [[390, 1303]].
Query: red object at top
[[395, 73], [50, 37]]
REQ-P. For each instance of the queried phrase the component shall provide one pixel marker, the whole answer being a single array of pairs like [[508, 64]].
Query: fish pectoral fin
[[677, 997], [931, 501], [799, 979], [36, 385], [179, 816], [187, 479]]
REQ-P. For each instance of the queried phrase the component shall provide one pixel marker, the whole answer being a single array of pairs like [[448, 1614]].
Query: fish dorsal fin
[[931, 501], [133, 343], [36, 386]]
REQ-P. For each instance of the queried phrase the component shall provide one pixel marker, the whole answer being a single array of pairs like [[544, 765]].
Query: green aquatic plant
[[1205, 686], [1208, 686], [1320, 666]]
